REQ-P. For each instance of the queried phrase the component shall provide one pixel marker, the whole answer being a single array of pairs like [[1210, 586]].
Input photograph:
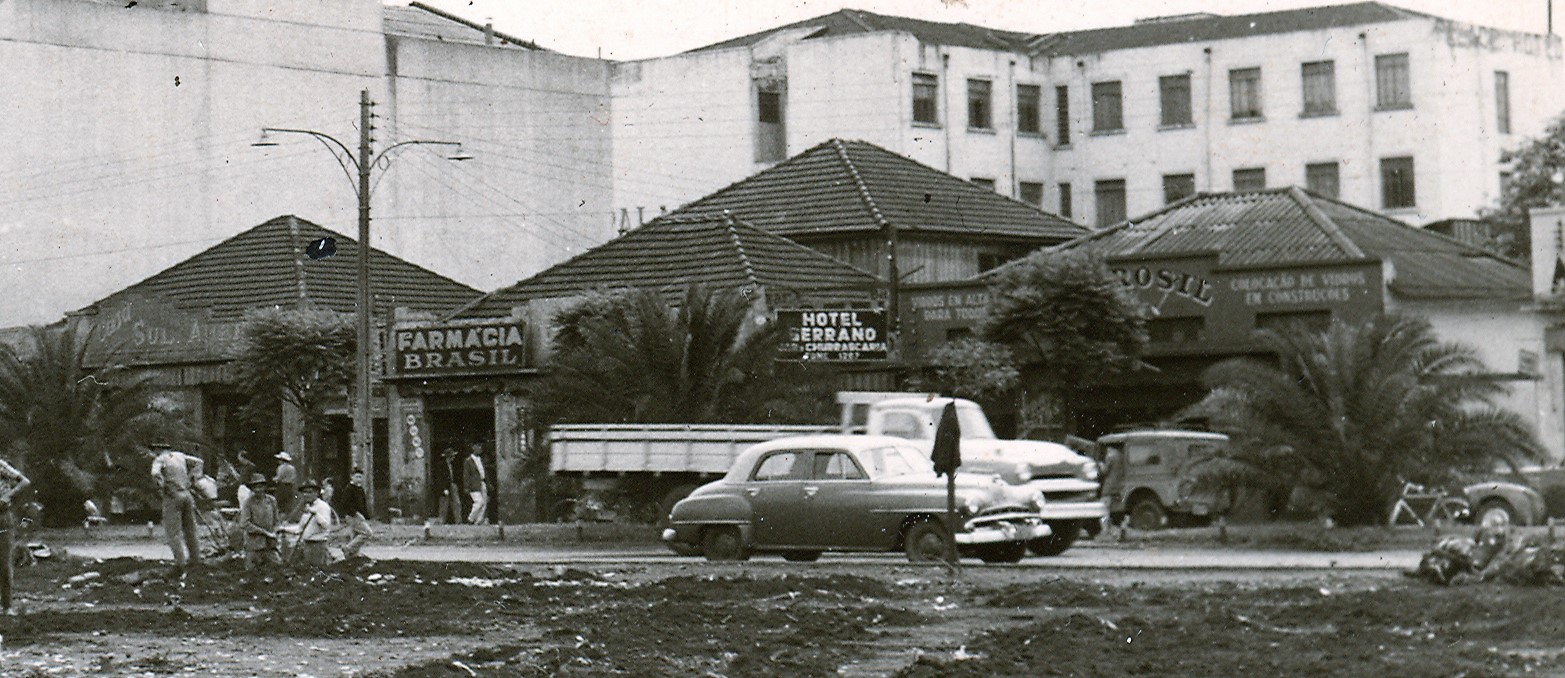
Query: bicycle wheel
[[1450, 510]]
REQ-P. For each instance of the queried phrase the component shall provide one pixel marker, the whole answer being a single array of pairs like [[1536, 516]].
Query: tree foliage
[[1066, 316], [971, 368], [1351, 413], [79, 432], [302, 356], [631, 356], [1534, 179]]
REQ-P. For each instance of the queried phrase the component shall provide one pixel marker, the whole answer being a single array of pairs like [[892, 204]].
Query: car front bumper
[[1075, 510], [994, 533]]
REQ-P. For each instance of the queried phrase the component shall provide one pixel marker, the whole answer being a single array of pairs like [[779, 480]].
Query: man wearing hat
[[286, 483], [314, 526], [171, 472], [259, 519]]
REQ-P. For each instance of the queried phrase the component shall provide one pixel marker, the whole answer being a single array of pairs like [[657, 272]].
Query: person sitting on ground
[[259, 520], [314, 527]]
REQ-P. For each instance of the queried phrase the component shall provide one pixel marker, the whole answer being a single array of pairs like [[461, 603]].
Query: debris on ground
[[1494, 553]]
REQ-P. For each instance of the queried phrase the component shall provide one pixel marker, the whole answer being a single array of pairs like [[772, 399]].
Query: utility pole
[[362, 163], [363, 419]]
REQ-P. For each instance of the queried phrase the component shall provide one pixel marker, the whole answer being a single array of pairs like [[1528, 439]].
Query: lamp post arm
[[338, 149], [382, 160]]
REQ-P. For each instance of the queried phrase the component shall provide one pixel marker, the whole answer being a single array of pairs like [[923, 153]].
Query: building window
[[1174, 91], [1177, 187], [1396, 183], [979, 94], [1062, 115], [1502, 101], [991, 260], [1320, 88], [1249, 179], [986, 183], [1282, 321], [1244, 93], [1111, 201], [926, 98], [1107, 113], [1029, 109], [1032, 193], [1065, 200], [1321, 178], [1175, 330], [1391, 82], [771, 139]]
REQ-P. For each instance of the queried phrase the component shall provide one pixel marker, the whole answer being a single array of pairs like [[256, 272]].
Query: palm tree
[[631, 356], [77, 431], [1354, 411]]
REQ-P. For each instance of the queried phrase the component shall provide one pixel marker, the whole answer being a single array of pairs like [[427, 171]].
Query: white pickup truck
[[655, 465]]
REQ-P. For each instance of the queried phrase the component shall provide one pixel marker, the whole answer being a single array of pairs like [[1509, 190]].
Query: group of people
[[280, 520], [468, 487]]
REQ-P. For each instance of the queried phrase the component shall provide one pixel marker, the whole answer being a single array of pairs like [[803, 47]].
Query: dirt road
[[862, 617]]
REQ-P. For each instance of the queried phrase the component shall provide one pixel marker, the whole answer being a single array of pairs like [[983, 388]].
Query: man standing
[[314, 526], [351, 506], [12, 482], [454, 500], [170, 470], [259, 519], [287, 483], [473, 479]]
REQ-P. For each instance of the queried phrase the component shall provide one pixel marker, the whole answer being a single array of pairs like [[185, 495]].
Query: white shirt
[[315, 523]]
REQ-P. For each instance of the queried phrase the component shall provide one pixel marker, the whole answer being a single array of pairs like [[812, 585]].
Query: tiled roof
[[265, 266], [852, 186], [419, 20], [1172, 30], [673, 251], [1290, 227]]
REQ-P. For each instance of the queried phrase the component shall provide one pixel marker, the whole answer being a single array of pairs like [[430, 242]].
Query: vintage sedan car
[[804, 495], [1524, 496]]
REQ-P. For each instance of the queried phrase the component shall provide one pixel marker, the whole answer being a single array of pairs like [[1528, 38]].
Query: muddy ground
[[768, 619]]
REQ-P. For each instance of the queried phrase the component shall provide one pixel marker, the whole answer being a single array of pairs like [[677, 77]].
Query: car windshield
[[894, 461], [973, 423]]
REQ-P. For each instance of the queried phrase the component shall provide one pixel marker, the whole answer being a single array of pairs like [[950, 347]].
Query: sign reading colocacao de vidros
[[836, 335], [459, 349]]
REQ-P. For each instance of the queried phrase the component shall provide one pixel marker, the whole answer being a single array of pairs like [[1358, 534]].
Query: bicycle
[[1443, 508]]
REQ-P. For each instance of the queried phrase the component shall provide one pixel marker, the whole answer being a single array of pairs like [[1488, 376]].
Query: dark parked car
[[805, 495], [1529, 496]]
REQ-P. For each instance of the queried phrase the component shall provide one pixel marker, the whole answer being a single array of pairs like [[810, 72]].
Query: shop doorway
[[457, 431]]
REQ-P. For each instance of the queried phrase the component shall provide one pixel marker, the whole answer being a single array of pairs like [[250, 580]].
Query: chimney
[[489, 32]]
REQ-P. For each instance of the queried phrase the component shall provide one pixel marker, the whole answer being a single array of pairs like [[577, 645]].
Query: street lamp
[[362, 164]]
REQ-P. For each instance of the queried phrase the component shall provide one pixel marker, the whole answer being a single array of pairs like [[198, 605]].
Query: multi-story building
[[1382, 107], [129, 129]]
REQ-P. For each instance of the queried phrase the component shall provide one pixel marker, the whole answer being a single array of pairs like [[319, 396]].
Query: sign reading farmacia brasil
[[460, 349]]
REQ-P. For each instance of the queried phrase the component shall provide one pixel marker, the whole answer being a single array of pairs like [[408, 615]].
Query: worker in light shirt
[[314, 527]]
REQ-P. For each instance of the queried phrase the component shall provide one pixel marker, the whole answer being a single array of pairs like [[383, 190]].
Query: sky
[[639, 29]]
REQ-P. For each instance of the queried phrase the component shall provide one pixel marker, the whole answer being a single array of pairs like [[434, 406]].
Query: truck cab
[[1150, 476], [1068, 480]]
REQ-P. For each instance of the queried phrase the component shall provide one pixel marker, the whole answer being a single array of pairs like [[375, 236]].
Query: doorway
[[458, 430]]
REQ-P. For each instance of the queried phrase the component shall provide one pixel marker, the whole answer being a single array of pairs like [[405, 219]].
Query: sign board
[[465, 349], [149, 329], [833, 335], [934, 314]]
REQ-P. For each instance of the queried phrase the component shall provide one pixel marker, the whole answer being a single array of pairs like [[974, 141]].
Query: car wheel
[[1003, 552], [802, 556], [723, 543], [1065, 534], [1147, 514], [926, 542], [1496, 512]]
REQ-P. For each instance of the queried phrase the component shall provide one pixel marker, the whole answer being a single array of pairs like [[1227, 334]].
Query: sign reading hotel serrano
[[834, 335], [460, 349]]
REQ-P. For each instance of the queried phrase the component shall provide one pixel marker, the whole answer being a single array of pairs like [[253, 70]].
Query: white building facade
[[128, 143], [1397, 111]]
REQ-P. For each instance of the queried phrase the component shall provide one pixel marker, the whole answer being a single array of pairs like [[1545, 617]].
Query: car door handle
[[752, 491], [809, 492]]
